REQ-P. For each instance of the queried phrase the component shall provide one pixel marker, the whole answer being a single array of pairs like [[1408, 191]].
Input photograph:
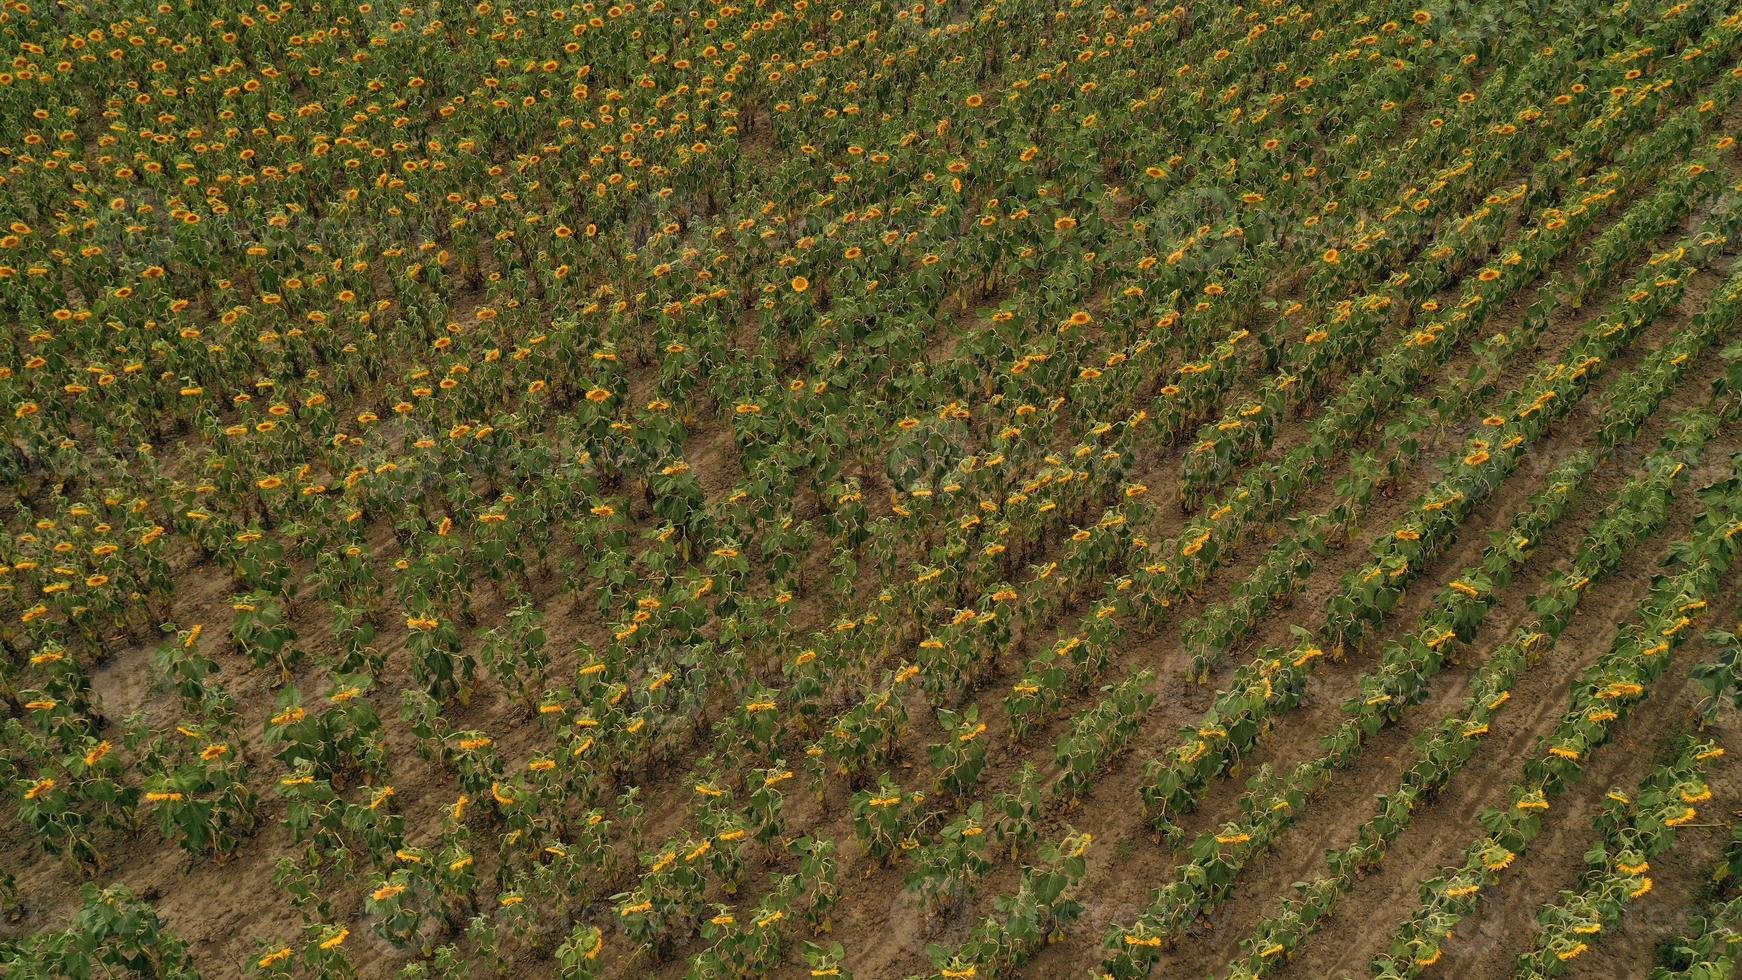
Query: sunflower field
[[789, 488]]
